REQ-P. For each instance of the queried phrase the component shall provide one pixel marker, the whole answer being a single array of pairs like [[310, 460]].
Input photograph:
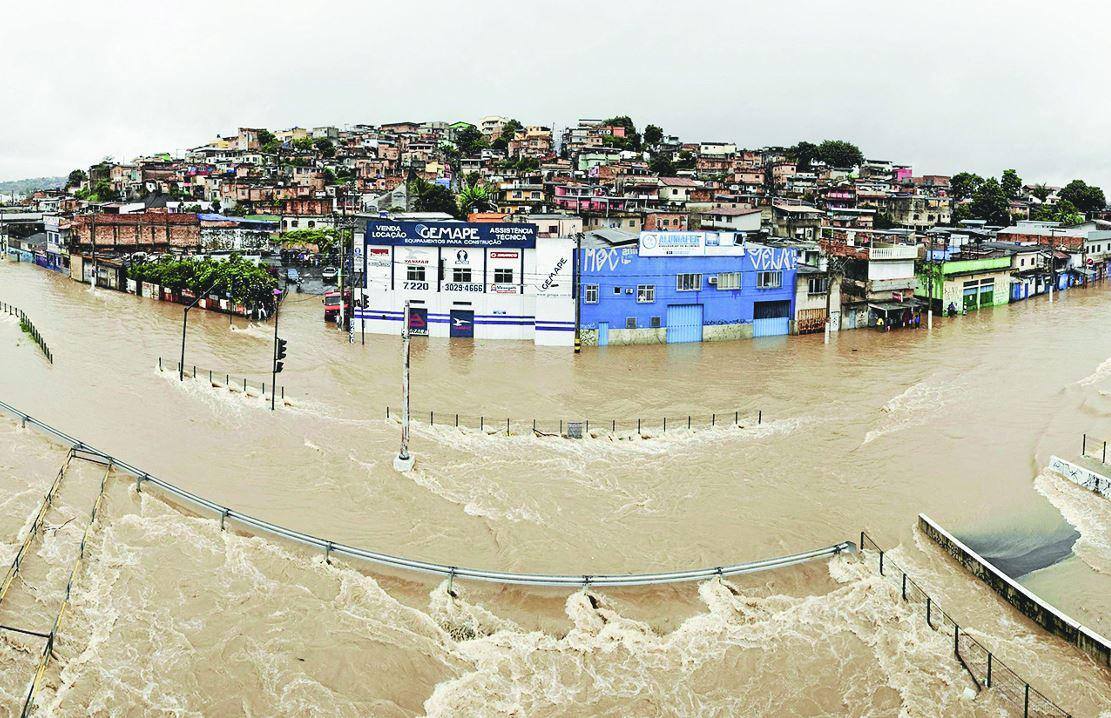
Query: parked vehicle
[[292, 275], [331, 305], [329, 274]]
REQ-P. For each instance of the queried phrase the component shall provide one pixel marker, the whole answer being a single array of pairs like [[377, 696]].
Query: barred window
[[646, 293], [729, 280], [591, 294], [688, 282], [769, 280]]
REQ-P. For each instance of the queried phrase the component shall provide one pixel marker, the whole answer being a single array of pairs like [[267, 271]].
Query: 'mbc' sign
[[450, 234]]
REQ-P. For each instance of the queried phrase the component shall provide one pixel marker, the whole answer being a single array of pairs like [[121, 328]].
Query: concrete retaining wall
[[1019, 596], [1081, 476]]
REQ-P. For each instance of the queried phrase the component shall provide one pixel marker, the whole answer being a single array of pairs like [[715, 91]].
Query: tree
[[428, 197], [804, 153], [884, 221], [631, 141], [963, 184], [653, 135], [989, 202], [76, 177], [470, 141], [1086, 198], [1040, 191], [961, 212], [508, 131], [839, 153], [267, 141], [325, 147], [478, 197], [303, 144], [1064, 212], [661, 165], [1011, 183]]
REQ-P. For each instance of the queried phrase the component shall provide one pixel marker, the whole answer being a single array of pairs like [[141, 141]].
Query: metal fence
[[28, 326], [986, 670], [265, 528], [1096, 446], [580, 427], [214, 377]]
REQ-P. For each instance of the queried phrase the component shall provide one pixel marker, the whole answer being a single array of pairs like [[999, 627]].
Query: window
[[655, 322], [769, 280], [414, 273], [817, 285], [688, 282], [591, 294], [630, 322], [729, 280], [646, 293], [461, 274], [503, 276], [616, 290]]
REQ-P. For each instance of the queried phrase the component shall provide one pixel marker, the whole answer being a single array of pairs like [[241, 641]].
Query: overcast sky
[[942, 85]]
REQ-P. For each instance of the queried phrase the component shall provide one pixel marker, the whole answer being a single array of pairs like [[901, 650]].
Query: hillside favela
[[411, 402]]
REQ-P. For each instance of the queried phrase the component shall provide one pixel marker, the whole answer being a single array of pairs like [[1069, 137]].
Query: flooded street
[[173, 617]]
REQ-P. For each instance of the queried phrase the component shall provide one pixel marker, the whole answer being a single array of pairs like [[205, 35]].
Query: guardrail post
[[736, 417], [638, 426], [760, 417], [1026, 702], [988, 681], [456, 421], [159, 363], [387, 411], [614, 429], [929, 603], [713, 419], [665, 423], [956, 640], [481, 423], [904, 585], [431, 418], [881, 563], [688, 422], [1105, 452], [1083, 444], [507, 426]]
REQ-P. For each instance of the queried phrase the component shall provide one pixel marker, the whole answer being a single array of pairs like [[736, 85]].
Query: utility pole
[[576, 278], [403, 462]]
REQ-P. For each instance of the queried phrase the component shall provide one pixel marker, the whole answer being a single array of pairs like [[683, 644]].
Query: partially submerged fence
[[986, 670], [1096, 446], [214, 376], [578, 427], [27, 326], [330, 548]]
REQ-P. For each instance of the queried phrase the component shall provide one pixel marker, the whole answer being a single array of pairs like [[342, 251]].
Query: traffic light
[[279, 354]]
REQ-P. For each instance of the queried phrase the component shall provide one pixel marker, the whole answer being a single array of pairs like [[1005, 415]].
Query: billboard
[[462, 324], [450, 234], [691, 244], [418, 321]]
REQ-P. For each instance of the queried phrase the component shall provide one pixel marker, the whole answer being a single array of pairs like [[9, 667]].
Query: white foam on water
[[1103, 371], [854, 651], [913, 406], [1088, 512]]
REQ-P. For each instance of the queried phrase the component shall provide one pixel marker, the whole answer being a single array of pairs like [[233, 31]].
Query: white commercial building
[[465, 280]]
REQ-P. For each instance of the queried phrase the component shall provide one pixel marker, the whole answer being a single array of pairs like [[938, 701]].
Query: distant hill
[[26, 186]]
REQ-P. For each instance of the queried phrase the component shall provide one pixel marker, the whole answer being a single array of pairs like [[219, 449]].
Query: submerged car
[[329, 274]]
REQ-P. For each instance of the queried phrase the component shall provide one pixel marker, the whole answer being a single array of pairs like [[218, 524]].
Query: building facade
[[675, 287], [465, 281]]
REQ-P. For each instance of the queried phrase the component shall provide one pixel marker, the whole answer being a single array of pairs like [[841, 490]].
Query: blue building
[[685, 287]]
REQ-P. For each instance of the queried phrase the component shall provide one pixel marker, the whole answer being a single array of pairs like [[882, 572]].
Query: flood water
[[171, 616]]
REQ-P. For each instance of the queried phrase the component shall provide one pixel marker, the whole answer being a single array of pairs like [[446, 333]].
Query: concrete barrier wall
[[1019, 596], [1081, 476]]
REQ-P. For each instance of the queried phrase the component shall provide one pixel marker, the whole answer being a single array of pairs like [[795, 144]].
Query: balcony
[[897, 251]]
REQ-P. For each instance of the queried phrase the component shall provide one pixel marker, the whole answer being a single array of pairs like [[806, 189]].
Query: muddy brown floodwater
[[171, 616]]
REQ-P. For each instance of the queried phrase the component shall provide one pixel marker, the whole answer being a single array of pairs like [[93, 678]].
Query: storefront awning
[[894, 306], [1089, 273]]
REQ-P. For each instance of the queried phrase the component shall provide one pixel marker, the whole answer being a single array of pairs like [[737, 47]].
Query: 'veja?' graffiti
[[770, 259]]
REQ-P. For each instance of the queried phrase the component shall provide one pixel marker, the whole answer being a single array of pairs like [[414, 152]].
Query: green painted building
[[965, 284]]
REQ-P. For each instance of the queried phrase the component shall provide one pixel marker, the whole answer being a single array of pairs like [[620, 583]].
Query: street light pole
[[184, 323], [403, 462]]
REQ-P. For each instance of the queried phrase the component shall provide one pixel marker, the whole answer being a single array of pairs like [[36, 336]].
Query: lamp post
[[403, 462], [184, 323]]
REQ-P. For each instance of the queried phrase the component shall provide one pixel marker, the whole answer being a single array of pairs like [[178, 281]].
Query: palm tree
[[477, 197]]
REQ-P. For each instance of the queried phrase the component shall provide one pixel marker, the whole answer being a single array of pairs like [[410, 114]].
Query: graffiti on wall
[[600, 259], [771, 259]]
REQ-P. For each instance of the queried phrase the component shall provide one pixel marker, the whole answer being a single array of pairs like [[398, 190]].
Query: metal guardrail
[[578, 427], [986, 670], [330, 548], [214, 377], [28, 326]]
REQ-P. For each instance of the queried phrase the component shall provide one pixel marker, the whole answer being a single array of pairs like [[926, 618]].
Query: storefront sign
[[450, 234], [691, 244]]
